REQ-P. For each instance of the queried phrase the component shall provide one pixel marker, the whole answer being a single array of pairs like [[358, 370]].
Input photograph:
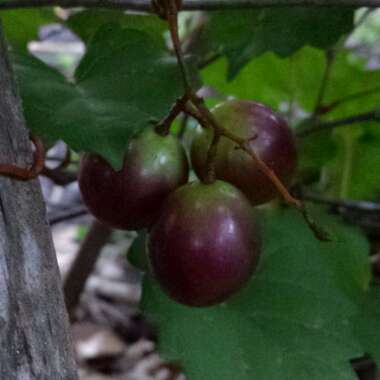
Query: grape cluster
[[204, 243]]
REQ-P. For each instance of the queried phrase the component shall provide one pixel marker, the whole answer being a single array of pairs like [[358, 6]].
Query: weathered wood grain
[[34, 341]]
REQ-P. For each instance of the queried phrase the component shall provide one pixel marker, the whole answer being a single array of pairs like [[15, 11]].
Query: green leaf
[[290, 322], [44, 91], [315, 151], [86, 23], [296, 79], [242, 35], [350, 76], [354, 173], [366, 324], [365, 178], [125, 79], [21, 26], [272, 80]]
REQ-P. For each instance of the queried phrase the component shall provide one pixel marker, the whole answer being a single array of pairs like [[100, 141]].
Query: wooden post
[[34, 330]]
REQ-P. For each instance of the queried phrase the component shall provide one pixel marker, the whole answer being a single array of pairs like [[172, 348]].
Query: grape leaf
[[290, 322], [354, 173], [242, 35], [314, 151], [125, 79], [86, 23], [21, 26], [366, 324], [361, 80], [273, 81], [365, 177]]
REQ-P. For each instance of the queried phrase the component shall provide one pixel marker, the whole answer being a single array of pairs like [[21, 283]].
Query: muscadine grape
[[205, 244], [270, 138], [131, 198]]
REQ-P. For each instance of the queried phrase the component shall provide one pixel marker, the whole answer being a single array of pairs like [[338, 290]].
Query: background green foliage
[[242, 35]]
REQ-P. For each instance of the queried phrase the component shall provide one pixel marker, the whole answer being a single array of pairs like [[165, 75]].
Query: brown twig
[[63, 216], [84, 263], [163, 127], [25, 174], [349, 204], [373, 115], [59, 176], [330, 57], [189, 5], [210, 163], [172, 9], [358, 95]]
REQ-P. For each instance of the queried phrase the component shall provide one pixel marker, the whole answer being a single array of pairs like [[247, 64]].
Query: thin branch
[[330, 57], [368, 116], [351, 97], [172, 18], [63, 216], [349, 204], [84, 263], [320, 108], [209, 5], [59, 176]]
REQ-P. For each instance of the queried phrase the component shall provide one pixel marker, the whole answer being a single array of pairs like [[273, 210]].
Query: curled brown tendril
[[25, 174]]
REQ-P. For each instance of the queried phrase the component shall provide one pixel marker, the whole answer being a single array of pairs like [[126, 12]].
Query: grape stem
[[210, 164], [163, 127], [210, 122], [203, 115], [25, 174]]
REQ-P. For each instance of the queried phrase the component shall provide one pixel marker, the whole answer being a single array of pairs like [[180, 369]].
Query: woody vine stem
[[191, 104]]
